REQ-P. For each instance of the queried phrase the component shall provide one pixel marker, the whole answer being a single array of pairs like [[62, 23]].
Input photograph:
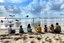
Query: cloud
[[34, 8], [47, 7], [50, 13], [62, 6], [15, 1], [53, 8], [1, 0], [37, 8], [42, 8], [13, 9], [55, 4]]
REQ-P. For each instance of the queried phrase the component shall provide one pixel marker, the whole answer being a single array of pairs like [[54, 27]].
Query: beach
[[30, 37]]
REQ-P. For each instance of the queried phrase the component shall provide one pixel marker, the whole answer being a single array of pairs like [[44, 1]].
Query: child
[[38, 29], [21, 29], [29, 28]]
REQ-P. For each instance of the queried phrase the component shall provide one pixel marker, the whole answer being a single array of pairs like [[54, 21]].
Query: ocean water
[[33, 22]]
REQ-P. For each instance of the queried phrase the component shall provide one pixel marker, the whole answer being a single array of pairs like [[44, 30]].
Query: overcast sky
[[48, 8]]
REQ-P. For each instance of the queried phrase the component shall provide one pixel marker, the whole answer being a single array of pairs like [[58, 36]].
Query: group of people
[[52, 29], [21, 30]]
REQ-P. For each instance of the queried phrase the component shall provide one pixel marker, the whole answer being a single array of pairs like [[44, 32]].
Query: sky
[[34, 8], [1, 0]]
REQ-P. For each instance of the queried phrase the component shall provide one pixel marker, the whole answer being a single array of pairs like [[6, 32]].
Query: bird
[[11, 15]]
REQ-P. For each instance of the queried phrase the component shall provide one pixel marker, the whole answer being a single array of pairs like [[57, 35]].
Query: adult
[[58, 28]]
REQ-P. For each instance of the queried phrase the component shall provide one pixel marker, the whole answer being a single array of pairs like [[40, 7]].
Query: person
[[58, 28], [10, 30], [52, 28], [45, 28], [29, 28], [21, 29], [38, 29]]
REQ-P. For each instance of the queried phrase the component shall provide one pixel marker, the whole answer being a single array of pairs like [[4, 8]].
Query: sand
[[28, 38]]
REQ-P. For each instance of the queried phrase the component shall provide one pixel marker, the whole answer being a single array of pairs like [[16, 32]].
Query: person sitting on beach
[[38, 29], [21, 29], [10, 30], [58, 28], [45, 28], [52, 28], [29, 28]]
